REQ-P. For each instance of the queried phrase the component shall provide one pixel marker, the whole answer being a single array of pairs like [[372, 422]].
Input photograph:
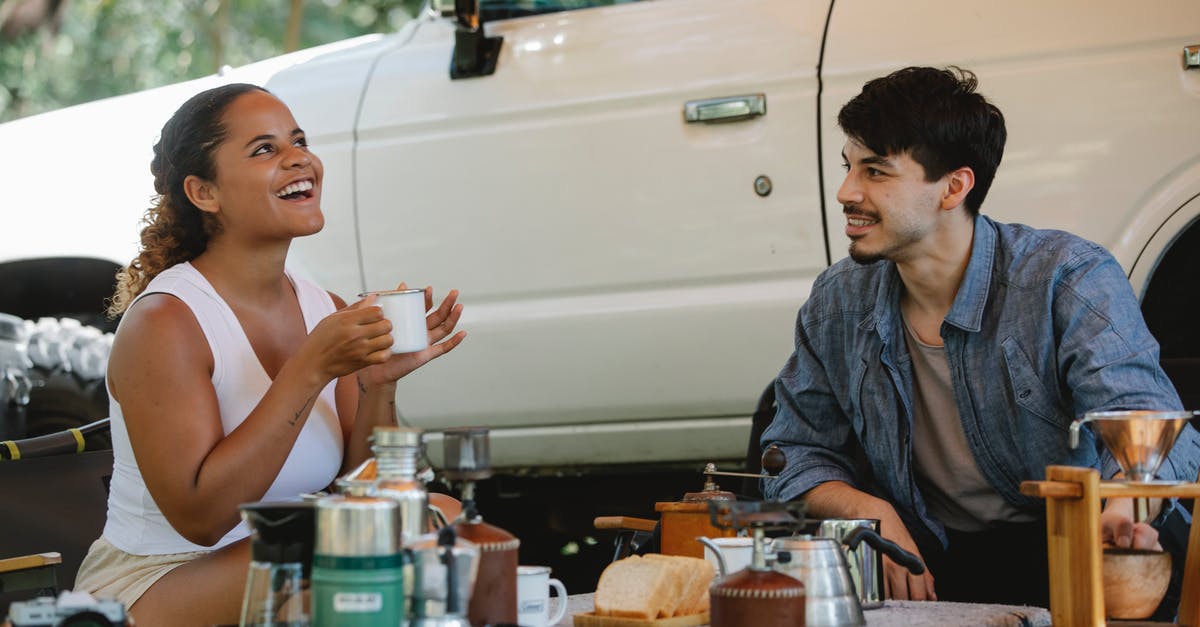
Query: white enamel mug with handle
[[405, 309], [533, 597]]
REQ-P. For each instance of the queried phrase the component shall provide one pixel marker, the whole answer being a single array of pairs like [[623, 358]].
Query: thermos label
[[357, 602]]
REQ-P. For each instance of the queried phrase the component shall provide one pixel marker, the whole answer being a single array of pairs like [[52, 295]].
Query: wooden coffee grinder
[[683, 521]]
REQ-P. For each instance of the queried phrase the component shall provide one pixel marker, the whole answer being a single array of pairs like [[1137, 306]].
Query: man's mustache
[[855, 210]]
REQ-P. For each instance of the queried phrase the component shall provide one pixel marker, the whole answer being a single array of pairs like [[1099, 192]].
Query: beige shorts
[[109, 572]]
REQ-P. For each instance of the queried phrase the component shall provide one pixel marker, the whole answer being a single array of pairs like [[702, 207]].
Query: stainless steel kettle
[[821, 564], [864, 562]]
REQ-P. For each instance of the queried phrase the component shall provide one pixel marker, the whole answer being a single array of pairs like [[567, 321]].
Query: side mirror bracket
[[475, 53]]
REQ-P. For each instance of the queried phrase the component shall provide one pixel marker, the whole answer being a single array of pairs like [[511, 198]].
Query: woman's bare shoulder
[[159, 335], [159, 316]]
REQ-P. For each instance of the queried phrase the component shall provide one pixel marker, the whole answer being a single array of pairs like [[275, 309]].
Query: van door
[[620, 267]]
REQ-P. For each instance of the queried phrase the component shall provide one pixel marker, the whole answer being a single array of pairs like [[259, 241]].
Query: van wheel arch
[[1169, 306]]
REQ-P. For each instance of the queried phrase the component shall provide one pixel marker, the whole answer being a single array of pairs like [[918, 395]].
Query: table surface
[[901, 614]]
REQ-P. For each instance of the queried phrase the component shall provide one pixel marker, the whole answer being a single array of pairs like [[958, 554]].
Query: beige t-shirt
[[955, 492]]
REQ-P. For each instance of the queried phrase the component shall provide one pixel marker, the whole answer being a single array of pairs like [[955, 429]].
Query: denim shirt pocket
[[1029, 392], [1041, 424]]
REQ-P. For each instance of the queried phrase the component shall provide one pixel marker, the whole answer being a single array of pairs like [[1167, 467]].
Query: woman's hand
[[440, 324], [350, 339]]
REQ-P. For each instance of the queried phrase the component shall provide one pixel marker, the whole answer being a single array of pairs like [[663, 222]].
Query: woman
[[230, 379]]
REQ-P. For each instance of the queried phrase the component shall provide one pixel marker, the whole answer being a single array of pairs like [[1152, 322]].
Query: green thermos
[[358, 562]]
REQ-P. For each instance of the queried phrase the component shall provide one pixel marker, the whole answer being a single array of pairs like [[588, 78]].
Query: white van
[[635, 197]]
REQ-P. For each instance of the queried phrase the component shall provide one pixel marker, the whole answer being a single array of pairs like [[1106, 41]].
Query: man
[[942, 363]]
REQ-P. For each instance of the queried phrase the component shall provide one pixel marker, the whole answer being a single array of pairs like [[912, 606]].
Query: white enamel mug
[[405, 309], [736, 553], [533, 597]]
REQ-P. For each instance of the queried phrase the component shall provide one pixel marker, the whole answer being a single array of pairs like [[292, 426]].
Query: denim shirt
[[1044, 328]]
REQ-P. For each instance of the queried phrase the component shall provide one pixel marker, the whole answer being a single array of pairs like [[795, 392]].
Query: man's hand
[[837, 499], [898, 583], [1118, 529]]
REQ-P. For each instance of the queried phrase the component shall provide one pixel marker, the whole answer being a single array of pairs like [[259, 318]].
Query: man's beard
[[863, 258]]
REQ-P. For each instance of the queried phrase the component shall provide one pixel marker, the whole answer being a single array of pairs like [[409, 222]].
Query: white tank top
[[135, 523]]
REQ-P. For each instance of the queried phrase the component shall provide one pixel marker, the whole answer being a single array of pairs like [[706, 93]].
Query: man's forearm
[[837, 499]]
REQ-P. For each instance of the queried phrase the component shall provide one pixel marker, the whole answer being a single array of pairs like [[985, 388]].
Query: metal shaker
[[864, 562], [396, 452], [357, 575]]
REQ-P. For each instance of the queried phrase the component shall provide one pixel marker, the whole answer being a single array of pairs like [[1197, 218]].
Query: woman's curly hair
[[175, 229]]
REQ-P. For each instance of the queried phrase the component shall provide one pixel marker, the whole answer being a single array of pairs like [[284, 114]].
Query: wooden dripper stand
[[1073, 497]]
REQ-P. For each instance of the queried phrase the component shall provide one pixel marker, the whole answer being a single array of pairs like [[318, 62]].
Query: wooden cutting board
[[591, 620]]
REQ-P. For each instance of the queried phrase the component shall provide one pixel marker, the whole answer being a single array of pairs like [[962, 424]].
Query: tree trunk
[[291, 38], [220, 27]]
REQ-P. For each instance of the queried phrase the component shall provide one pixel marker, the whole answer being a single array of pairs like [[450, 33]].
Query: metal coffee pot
[[821, 564], [445, 568]]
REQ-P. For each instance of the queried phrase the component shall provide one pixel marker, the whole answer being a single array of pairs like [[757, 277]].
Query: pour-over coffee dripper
[[1139, 440]]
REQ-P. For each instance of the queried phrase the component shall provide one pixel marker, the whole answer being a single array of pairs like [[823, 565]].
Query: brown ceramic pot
[[756, 598], [494, 599]]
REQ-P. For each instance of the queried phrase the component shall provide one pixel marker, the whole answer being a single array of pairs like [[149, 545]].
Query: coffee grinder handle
[[885, 546], [773, 460]]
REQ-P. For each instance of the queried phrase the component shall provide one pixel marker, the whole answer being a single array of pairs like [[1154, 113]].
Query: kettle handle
[[885, 546], [721, 568]]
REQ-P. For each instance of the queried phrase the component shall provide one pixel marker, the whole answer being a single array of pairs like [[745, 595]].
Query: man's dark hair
[[936, 117]]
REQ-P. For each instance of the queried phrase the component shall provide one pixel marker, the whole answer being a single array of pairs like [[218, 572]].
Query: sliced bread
[[697, 575], [635, 588], [677, 582]]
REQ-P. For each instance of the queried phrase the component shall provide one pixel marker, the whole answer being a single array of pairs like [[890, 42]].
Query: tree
[[55, 53]]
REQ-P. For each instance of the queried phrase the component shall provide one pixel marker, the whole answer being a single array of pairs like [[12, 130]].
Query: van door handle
[[1191, 57], [730, 109]]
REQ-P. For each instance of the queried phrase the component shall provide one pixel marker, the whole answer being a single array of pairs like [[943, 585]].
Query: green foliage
[[111, 47]]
